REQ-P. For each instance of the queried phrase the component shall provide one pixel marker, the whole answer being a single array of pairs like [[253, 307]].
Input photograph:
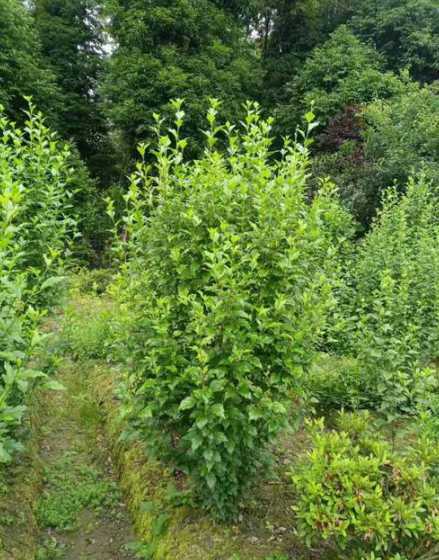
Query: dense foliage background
[[99, 70]]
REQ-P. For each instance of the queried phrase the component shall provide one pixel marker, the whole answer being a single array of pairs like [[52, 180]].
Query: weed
[[70, 488]]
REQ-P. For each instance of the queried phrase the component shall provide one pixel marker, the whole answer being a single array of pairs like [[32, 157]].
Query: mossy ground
[[61, 500], [172, 531], [80, 511]]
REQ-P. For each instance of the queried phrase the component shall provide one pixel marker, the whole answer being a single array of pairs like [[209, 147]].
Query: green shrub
[[335, 383], [387, 322], [345, 383], [17, 321], [227, 286], [391, 157], [395, 299], [33, 227], [362, 498], [33, 161]]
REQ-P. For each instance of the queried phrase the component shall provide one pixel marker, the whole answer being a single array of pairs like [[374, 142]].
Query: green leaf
[[211, 481], [51, 282], [218, 410], [54, 385], [187, 403]]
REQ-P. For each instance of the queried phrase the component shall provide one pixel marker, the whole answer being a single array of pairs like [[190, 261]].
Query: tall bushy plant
[[16, 321], [33, 226], [396, 279], [32, 159], [388, 320], [228, 284]]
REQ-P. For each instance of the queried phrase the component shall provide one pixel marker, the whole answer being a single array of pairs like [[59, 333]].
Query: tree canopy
[[340, 73], [105, 72], [23, 71], [405, 31], [177, 48], [72, 39]]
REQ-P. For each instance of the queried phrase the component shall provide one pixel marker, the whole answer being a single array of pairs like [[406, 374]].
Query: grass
[[71, 487]]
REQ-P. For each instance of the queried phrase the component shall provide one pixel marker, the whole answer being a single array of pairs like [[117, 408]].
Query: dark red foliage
[[346, 125]]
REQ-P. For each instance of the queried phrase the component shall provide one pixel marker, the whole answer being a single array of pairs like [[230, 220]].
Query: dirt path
[[80, 511]]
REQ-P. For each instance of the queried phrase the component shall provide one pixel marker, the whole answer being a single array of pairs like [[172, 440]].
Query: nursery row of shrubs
[[387, 319], [235, 280], [34, 227]]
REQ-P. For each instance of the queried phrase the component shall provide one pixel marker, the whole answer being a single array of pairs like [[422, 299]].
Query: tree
[[398, 137], [405, 31], [175, 48], [239, 8], [342, 72], [22, 69], [73, 46], [289, 30]]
